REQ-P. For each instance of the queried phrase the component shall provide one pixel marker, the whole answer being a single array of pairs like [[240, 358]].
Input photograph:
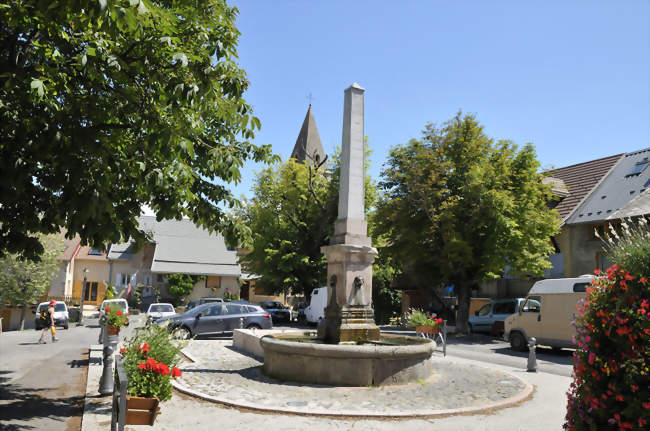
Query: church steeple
[[308, 146]]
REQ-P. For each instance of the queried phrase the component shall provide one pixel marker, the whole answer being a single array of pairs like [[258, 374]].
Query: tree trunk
[[22, 317], [463, 292]]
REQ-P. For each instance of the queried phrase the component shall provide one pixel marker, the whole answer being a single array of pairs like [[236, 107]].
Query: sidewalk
[[545, 411]]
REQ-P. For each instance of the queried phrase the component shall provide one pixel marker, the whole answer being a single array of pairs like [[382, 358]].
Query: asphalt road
[[42, 386]]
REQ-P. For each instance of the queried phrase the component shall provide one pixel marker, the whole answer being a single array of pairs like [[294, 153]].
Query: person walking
[[47, 316]]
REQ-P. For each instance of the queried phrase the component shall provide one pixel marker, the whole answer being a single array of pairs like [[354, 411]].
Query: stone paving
[[223, 374]]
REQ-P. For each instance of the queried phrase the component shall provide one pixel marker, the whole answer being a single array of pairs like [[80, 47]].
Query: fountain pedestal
[[349, 316]]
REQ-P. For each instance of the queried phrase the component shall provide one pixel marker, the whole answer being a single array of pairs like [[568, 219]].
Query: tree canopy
[[23, 282], [109, 105], [459, 208]]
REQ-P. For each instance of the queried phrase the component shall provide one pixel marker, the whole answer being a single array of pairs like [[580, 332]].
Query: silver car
[[218, 318]]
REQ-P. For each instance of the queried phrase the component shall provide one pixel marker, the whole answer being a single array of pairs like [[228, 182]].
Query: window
[[94, 252], [160, 278], [580, 287], [147, 280], [638, 168], [532, 305], [485, 310], [504, 307], [233, 308]]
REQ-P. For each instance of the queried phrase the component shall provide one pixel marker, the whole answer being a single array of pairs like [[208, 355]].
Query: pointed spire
[[308, 145]]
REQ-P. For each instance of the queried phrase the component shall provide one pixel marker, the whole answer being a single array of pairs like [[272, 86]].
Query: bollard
[[241, 323], [532, 359], [106, 381]]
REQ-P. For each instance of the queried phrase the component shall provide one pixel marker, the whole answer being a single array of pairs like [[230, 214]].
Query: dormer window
[[638, 168]]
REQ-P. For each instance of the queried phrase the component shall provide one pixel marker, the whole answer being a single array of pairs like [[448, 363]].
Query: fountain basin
[[393, 360]]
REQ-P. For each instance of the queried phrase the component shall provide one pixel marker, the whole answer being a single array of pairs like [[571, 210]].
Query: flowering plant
[[150, 360], [417, 317], [115, 317], [611, 385]]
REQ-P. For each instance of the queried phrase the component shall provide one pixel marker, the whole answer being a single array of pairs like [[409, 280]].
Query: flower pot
[[141, 411], [427, 330], [112, 330]]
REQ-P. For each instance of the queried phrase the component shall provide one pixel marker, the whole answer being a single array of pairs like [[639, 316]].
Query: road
[[42, 386]]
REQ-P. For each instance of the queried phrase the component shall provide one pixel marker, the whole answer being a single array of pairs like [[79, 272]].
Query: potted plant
[[114, 319], [150, 361], [423, 323]]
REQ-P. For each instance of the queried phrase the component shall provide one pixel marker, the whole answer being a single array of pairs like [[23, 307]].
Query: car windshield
[[60, 306], [272, 305], [161, 308], [199, 309]]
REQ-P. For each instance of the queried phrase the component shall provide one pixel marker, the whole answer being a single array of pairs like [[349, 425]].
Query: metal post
[[106, 381], [532, 359], [444, 338], [241, 323]]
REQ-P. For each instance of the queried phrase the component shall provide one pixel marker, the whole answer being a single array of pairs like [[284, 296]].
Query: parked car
[[215, 319], [117, 304], [490, 317], [315, 311], [159, 310], [279, 312], [201, 301], [547, 313], [61, 316]]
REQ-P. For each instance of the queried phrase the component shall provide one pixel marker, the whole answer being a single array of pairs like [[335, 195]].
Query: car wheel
[[182, 333], [253, 326], [65, 326], [517, 341]]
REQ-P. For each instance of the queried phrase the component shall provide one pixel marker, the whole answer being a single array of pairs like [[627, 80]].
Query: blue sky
[[573, 78]]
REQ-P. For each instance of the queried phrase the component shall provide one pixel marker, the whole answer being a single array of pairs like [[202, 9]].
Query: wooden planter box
[[141, 411], [112, 330], [427, 330]]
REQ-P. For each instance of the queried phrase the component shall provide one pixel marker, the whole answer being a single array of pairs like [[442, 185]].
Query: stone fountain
[[349, 348]]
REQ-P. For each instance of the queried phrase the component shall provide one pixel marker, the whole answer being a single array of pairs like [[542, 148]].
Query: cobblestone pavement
[[221, 371]]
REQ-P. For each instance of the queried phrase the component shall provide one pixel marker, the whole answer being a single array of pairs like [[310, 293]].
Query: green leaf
[[37, 85], [142, 9], [180, 57]]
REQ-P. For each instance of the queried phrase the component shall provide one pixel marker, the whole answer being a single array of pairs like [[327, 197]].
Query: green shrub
[[416, 317], [611, 386], [150, 358], [629, 246]]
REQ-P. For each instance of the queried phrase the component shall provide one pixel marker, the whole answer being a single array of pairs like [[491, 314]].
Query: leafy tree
[[291, 216], [23, 282], [109, 105], [459, 207], [180, 285]]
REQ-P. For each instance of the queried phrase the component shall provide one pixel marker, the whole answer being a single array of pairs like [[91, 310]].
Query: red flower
[[122, 351], [119, 313], [107, 309], [161, 369], [597, 271], [619, 397], [145, 349], [128, 314], [176, 372], [142, 366], [643, 280]]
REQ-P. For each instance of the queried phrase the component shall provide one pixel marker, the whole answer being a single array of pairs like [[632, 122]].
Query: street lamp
[[83, 294]]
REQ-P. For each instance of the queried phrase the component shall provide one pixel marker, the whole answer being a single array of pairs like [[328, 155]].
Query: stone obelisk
[[349, 316]]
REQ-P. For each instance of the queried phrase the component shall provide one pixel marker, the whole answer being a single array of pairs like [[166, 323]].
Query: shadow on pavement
[[25, 404]]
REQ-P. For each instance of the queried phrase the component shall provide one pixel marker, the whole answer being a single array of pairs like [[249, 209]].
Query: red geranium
[[176, 372]]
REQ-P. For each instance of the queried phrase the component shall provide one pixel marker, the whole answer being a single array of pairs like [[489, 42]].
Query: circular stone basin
[[393, 360]]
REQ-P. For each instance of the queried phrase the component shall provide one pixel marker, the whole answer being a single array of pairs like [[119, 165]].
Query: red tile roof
[[580, 179]]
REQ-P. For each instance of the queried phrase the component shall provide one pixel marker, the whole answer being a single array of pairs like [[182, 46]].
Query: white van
[[315, 312], [547, 313]]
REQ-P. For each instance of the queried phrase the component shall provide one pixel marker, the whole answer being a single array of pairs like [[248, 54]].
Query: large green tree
[[24, 281], [108, 105], [459, 208]]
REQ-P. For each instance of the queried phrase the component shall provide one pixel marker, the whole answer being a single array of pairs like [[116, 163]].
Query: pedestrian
[[47, 317]]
